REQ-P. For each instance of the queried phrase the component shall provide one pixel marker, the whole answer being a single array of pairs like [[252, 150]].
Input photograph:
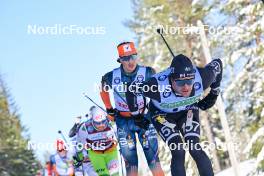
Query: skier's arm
[[148, 89], [150, 72], [104, 93], [52, 165], [78, 156], [152, 84], [74, 129], [212, 74], [82, 134], [153, 92], [211, 77]]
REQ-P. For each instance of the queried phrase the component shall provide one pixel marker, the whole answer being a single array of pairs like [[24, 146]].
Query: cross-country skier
[[174, 107], [81, 160], [61, 162], [98, 137], [127, 126]]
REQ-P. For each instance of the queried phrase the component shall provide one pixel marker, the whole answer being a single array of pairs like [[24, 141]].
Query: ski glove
[[141, 122], [76, 162], [208, 101], [218, 69], [74, 130], [112, 112]]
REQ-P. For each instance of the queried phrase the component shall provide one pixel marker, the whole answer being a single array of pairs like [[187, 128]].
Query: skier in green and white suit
[[98, 137]]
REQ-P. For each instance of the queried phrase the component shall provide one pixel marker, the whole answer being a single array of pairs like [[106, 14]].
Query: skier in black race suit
[[174, 107]]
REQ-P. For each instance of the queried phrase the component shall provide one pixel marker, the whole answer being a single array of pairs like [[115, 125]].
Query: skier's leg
[[191, 132], [202, 161], [78, 171], [149, 143], [98, 163], [172, 138], [112, 163], [88, 169], [127, 143]]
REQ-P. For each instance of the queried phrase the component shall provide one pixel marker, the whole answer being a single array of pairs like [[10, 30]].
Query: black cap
[[182, 68]]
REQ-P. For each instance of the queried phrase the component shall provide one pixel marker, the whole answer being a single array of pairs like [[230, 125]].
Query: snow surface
[[244, 168]]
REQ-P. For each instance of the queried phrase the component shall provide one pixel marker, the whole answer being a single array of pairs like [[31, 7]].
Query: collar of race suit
[[129, 74]]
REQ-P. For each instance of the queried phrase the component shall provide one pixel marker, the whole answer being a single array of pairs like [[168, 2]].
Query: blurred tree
[[243, 50], [178, 21], [15, 157], [239, 42]]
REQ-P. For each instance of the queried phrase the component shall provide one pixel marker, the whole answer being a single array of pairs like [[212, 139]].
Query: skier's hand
[[208, 101], [112, 112], [218, 68], [76, 162], [141, 122], [73, 130]]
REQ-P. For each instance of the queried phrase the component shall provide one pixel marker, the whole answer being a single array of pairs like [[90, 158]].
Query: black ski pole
[[63, 137], [94, 102], [160, 31]]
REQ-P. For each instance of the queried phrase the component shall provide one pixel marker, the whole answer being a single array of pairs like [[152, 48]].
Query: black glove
[[76, 162], [208, 101], [141, 122], [73, 130], [218, 68], [112, 112]]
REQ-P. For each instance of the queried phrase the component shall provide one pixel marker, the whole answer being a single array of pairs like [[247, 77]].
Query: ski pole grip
[[160, 31]]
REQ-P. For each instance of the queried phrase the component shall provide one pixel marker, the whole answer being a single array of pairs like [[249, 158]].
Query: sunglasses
[[103, 123], [181, 83], [128, 58]]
